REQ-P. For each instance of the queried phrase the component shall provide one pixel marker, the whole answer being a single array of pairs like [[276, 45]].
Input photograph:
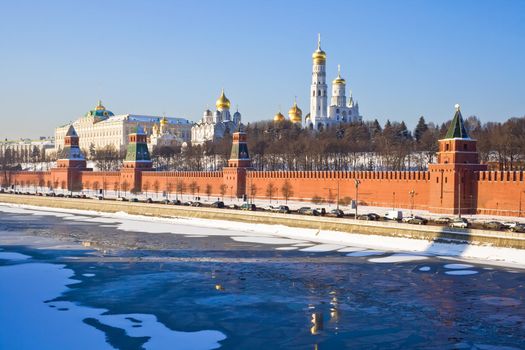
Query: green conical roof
[[457, 128]]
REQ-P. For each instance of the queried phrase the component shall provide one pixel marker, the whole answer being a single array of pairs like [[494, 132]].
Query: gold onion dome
[[319, 56], [295, 114], [222, 102], [279, 117], [100, 107], [339, 80], [163, 121]]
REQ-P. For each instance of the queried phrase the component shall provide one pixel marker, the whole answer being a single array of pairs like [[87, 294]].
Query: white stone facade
[[341, 108], [102, 128], [213, 125]]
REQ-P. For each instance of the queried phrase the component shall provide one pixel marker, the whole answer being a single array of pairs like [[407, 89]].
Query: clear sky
[[402, 59]]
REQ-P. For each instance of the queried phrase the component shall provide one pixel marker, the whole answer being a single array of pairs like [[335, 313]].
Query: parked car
[[50, 194], [284, 209], [303, 210], [321, 211], [247, 206], [134, 199], [338, 213], [165, 201], [60, 195], [518, 228], [443, 220], [148, 200], [459, 223], [313, 212], [196, 204], [271, 208], [369, 217], [176, 202], [510, 224], [394, 215], [217, 204], [122, 199], [415, 220], [493, 225], [233, 206]]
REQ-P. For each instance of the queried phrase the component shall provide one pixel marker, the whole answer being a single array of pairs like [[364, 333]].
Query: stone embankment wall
[[430, 233]]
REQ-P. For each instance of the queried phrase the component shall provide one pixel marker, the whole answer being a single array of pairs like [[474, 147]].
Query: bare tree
[[125, 187], [208, 190], [222, 190], [156, 187], [287, 190], [145, 187], [193, 188], [270, 191]]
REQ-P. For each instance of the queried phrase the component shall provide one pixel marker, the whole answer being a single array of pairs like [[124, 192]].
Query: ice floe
[[65, 325], [13, 256], [458, 266], [366, 253], [322, 248], [461, 272], [395, 258], [424, 268]]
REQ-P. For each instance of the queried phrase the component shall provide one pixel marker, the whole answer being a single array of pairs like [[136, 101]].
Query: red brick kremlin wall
[[379, 188], [495, 192]]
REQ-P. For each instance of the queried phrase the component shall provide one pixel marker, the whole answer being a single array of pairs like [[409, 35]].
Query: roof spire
[[339, 70], [318, 41], [457, 128]]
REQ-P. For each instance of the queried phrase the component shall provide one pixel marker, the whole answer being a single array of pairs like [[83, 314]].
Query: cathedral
[[214, 125], [341, 108]]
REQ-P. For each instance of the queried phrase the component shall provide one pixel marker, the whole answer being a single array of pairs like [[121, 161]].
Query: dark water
[[255, 296]]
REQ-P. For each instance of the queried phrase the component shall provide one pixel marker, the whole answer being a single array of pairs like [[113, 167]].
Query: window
[[465, 146]]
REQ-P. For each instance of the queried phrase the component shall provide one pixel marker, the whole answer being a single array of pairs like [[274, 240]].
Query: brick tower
[[70, 163], [137, 160], [453, 179], [238, 164]]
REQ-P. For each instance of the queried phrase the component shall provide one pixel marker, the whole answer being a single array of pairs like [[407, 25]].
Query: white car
[[459, 223]]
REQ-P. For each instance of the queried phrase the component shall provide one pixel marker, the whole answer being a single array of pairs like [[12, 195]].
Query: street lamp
[[519, 213], [357, 183], [393, 200], [412, 194]]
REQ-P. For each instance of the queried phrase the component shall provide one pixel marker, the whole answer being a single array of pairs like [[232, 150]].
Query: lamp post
[[519, 213], [459, 196], [357, 183], [412, 194], [393, 200]]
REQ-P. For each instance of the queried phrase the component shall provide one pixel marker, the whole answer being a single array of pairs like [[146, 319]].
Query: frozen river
[[161, 285]]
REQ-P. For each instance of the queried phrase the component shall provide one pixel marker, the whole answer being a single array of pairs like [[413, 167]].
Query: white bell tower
[[318, 90]]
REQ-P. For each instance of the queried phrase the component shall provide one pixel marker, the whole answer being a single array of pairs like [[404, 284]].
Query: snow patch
[[366, 253], [457, 266]]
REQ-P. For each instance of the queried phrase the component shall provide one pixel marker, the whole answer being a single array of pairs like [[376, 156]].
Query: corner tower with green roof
[[453, 189]]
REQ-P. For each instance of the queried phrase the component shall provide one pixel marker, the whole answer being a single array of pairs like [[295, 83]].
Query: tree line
[[356, 146]]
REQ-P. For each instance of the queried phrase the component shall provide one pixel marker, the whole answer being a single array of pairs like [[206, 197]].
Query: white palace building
[[100, 128]]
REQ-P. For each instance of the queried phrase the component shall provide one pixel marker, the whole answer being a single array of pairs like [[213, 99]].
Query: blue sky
[[402, 59]]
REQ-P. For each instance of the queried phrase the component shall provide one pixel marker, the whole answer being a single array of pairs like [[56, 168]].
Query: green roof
[[137, 152], [457, 128]]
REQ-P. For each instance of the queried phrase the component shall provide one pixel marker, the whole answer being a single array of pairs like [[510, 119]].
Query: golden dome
[[339, 80], [319, 56], [163, 121], [222, 102], [100, 107], [295, 114], [279, 117]]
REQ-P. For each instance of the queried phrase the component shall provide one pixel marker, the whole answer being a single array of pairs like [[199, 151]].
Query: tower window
[[465, 146], [447, 147]]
